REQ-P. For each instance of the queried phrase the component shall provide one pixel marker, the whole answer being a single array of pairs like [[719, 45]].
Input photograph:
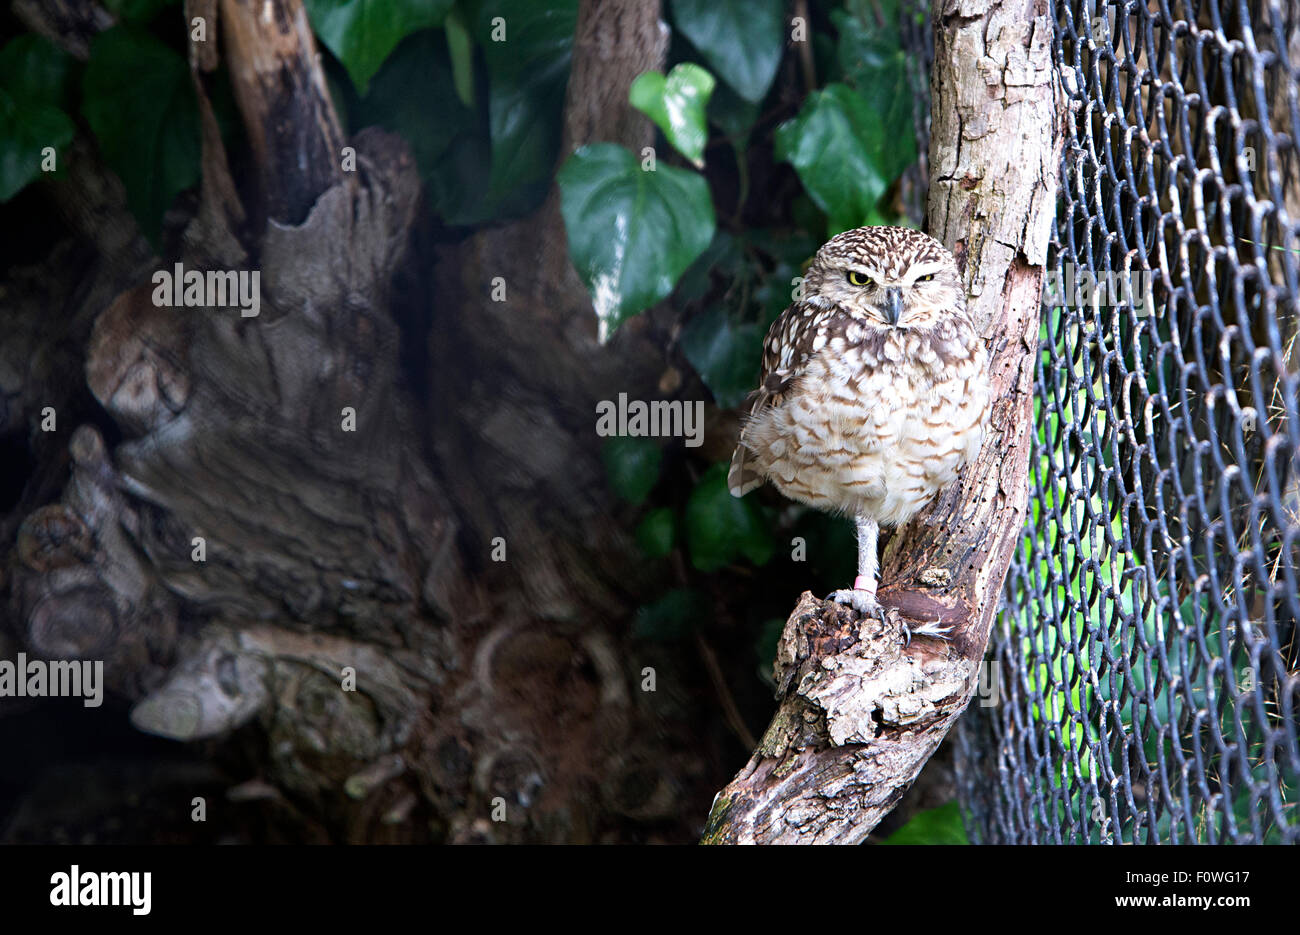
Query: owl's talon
[[864, 602]]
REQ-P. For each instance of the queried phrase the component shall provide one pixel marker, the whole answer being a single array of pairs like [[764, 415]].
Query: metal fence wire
[[1144, 676]]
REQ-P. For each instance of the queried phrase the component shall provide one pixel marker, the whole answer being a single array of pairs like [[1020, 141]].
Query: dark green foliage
[[34, 79], [842, 152], [362, 33], [632, 466], [721, 529], [137, 97], [418, 71], [741, 40], [657, 533], [725, 353]]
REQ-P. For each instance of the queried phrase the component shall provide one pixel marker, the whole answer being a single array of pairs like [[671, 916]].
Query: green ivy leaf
[[721, 528], [361, 33], [528, 47], [26, 129], [677, 105], [459, 181], [414, 95], [34, 76], [870, 52], [461, 49], [839, 146], [137, 97], [940, 825], [742, 40], [657, 532], [632, 466], [631, 232], [499, 159], [521, 38], [725, 354], [35, 71], [524, 121]]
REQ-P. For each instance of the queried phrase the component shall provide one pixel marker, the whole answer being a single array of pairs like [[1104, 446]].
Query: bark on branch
[[859, 715]]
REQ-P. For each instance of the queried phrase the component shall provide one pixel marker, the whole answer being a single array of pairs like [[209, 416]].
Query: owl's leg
[[862, 596]]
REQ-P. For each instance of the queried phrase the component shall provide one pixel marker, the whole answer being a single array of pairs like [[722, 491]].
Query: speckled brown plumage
[[874, 388]]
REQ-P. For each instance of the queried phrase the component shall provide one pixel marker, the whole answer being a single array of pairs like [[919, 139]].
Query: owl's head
[[888, 277]]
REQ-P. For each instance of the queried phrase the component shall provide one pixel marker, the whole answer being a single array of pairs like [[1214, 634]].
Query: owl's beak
[[893, 304]]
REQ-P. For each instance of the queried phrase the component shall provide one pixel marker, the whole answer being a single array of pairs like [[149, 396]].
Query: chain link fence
[[1143, 682]]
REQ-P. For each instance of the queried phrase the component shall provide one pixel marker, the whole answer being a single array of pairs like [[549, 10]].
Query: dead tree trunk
[[242, 553], [859, 715]]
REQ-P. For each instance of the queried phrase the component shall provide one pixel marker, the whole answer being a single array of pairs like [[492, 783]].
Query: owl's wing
[[786, 351]]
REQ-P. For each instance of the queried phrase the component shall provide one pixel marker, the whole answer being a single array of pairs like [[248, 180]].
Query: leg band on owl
[[864, 583]]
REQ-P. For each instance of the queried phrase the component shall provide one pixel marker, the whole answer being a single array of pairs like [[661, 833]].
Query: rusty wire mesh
[[1144, 676]]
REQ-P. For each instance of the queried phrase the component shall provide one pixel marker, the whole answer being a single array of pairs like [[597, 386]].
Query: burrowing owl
[[874, 390]]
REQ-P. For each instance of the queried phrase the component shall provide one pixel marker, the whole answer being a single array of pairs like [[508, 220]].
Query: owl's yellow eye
[[858, 279], [925, 278]]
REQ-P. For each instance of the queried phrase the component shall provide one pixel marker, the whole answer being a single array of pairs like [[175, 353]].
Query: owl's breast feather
[[871, 432]]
